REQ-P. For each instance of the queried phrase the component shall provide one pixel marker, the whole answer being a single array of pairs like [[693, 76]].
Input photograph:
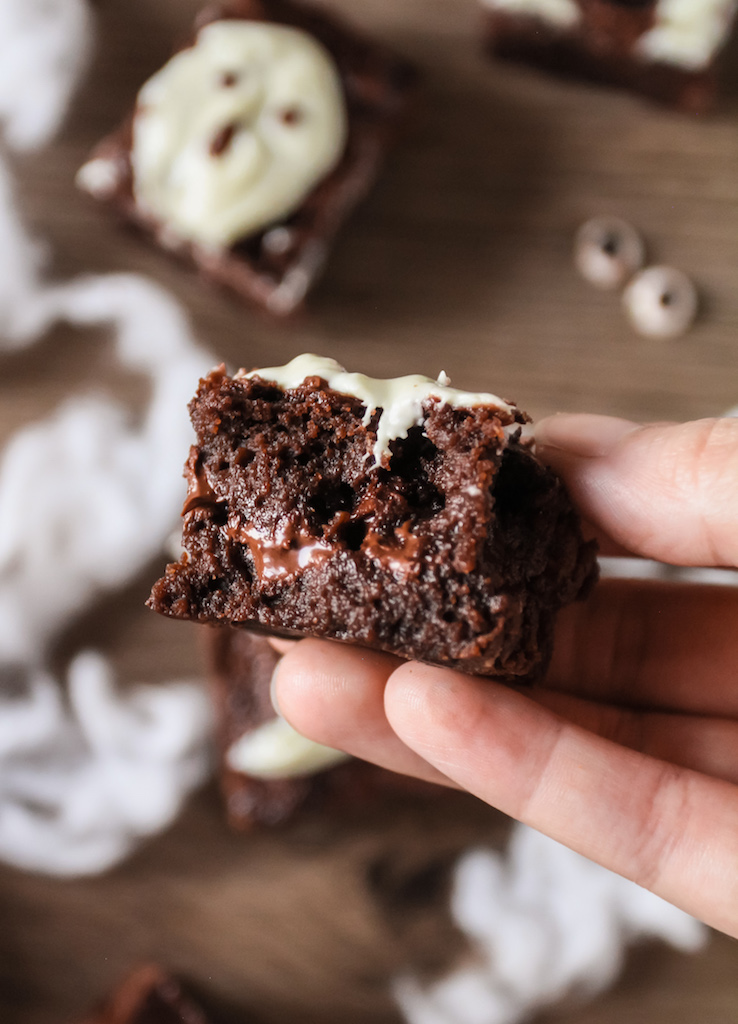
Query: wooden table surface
[[460, 260]]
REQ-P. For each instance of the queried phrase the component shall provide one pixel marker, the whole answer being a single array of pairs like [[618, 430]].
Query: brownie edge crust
[[449, 542]]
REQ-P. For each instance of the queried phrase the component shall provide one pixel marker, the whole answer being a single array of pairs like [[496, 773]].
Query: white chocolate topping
[[276, 751], [100, 177], [234, 132], [562, 13], [688, 33], [401, 399]]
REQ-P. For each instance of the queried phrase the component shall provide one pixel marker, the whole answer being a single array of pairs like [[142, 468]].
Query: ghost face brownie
[[665, 49], [249, 148], [269, 772], [403, 515]]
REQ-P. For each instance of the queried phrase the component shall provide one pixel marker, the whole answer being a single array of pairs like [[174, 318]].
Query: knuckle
[[662, 822], [716, 485], [700, 470], [536, 794]]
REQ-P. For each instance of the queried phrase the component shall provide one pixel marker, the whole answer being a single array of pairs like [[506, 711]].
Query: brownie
[[149, 996], [275, 265], [401, 515], [241, 666], [648, 46]]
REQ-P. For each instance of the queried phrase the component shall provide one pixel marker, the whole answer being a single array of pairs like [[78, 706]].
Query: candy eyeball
[[608, 251], [661, 302]]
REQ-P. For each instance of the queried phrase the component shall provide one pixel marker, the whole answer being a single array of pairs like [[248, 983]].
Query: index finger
[[669, 829], [664, 491]]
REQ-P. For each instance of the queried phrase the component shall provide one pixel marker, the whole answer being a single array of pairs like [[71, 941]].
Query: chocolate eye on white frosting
[[234, 132]]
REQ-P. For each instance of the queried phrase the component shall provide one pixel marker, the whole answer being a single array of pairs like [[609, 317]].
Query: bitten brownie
[[403, 515], [149, 996], [664, 50], [245, 156], [267, 778]]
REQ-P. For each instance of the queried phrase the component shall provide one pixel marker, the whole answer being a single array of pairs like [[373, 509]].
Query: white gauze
[[44, 48], [87, 498], [543, 923], [80, 785]]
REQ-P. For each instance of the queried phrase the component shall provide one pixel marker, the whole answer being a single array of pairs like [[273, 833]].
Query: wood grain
[[460, 260]]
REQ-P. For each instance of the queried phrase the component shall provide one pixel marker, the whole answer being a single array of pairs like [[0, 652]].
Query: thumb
[[663, 491]]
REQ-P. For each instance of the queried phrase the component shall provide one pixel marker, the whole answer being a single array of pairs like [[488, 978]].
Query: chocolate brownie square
[[665, 49], [149, 996], [247, 152], [268, 772], [402, 515]]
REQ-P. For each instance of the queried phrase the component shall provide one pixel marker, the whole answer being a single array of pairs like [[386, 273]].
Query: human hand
[[628, 751]]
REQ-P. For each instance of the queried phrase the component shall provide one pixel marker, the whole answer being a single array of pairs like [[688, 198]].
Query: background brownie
[[275, 267], [149, 996], [608, 41], [241, 666], [458, 547]]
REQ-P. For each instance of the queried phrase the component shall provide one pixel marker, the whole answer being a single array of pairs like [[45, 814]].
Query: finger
[[707, 745], [334, 694], [280, 645], [643, 643], [606, 546], [666, 828], [665, 491]]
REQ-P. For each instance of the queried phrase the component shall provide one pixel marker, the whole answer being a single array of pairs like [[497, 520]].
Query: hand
[[628, 752]]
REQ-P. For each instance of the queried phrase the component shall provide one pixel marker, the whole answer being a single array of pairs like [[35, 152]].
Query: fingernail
[[273, 687], [583, 434]]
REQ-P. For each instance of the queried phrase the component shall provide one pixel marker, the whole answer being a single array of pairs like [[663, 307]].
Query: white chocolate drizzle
[[688, 33], [400, 399], [564, 14], [276, 751], [233, 132]]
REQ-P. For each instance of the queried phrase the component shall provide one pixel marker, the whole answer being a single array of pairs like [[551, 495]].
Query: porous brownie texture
[[378, 88], [458, 549], [601, 48]]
